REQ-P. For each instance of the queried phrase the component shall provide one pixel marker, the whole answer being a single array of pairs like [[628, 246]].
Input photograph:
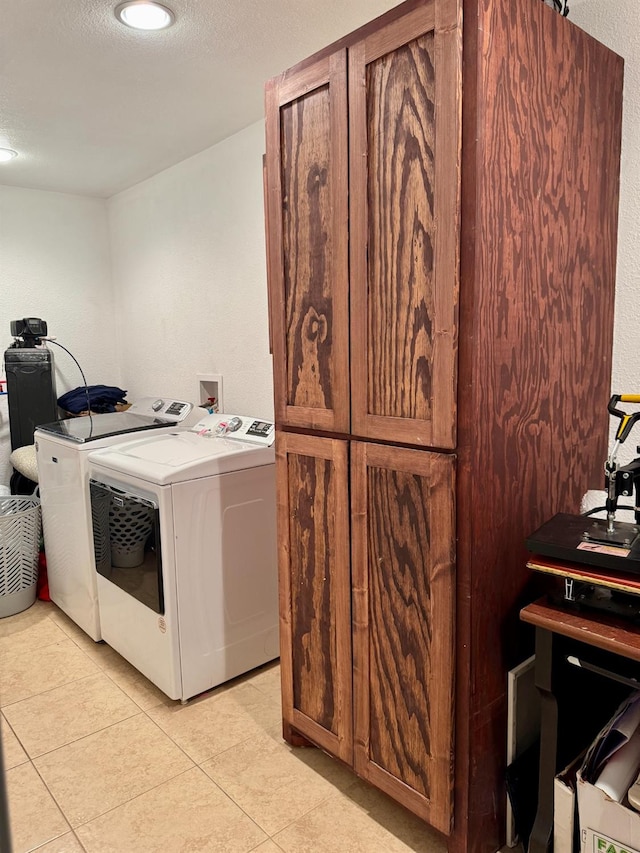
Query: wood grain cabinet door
[[307, 213], [315, 590], [405, 147], [403, 614]]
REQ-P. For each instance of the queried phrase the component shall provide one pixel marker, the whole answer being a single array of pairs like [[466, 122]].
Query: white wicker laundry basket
[[100, 502], [129, 528], [20, 525]]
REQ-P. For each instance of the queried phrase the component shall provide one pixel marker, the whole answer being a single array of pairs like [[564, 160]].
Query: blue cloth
[[102, 398]]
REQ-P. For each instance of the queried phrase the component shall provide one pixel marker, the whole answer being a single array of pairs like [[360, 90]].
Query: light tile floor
[[99, 760]]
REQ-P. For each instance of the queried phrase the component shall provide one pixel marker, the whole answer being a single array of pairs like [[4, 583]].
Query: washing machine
[[185, 548], [62, 450]]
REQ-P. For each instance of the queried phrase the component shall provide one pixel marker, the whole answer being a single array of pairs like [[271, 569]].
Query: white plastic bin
[[20, 525]]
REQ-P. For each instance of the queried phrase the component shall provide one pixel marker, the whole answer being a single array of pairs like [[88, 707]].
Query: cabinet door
[[315, 590], [307, 210], [405, 144], [403, 615]]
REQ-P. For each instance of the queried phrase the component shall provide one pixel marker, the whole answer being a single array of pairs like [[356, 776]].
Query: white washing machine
[[62, 450], [185, 545]]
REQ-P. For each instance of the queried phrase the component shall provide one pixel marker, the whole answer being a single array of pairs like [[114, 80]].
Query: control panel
[[239, 427], [162, 409]]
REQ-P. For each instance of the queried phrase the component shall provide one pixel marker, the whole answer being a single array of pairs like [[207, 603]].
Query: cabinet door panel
[[307, 206], [403, 607], [405, 138], [315, 590]]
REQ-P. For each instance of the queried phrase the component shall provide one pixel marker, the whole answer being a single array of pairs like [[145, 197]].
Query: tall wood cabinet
[[441, 197]]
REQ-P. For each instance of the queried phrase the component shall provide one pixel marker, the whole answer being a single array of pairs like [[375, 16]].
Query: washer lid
[[146, 413], [182, 455], [94, 427]]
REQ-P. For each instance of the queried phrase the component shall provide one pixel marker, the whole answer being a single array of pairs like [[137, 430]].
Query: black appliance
[[30, 376]]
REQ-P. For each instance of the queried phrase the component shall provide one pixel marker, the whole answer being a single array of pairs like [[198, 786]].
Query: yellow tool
[[620, 481]]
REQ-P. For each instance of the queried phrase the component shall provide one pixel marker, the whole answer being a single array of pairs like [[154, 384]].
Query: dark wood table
[[595, 631]]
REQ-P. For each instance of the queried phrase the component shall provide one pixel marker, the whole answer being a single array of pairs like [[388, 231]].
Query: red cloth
[[42, 589]]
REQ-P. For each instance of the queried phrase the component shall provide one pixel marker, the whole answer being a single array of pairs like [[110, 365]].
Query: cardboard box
[[564, 808], [606, 826]]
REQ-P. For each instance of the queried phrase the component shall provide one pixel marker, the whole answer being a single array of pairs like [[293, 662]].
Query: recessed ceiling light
[[7, 154], [144, 15]]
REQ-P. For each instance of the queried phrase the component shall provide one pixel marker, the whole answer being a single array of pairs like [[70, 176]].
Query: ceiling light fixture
[[7, 154], [144, 15]]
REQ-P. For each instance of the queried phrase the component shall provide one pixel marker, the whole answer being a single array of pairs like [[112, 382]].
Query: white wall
[[163, 282], [188, 265], [616, 24], [189, 274], [54, 264]]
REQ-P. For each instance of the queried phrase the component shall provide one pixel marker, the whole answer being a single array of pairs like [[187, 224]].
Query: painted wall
[[161, 283], [616, 25], [54, 264], [188, 256], [185, 253], [189, 274]]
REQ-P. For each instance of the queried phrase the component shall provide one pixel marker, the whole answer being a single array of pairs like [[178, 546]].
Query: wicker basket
[[100, 502], [129, 528], [20, 526]]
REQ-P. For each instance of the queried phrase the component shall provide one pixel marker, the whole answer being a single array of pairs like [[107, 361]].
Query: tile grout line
[[31, 761], [51, 689], [141, 711], [81, 737], [268, 699]]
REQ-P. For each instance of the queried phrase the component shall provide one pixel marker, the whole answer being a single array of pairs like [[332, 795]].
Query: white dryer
[[62, 450], [185, 544]]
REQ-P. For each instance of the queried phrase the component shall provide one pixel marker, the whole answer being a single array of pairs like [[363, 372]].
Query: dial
[[157, 405]]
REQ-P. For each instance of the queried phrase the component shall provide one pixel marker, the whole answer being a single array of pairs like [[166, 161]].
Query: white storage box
[[564, 807], [606, 826]]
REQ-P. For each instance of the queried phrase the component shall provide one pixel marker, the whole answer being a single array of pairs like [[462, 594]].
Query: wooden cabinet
[[402, 574], [315, 589], [394, 721], [442, 190], [379, 248], [404, 188], [307, 210]]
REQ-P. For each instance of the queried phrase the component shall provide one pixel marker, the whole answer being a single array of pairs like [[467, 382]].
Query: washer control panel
[[241, 427], [162, 408]]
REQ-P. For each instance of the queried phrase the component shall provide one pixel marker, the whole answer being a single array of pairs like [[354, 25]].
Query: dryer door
[[127, 543]]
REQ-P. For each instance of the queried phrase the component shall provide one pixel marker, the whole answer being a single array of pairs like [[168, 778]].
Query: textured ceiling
[[93, 107]]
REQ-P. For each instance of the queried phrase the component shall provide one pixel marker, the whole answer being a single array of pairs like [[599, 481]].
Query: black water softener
[[31, 384]]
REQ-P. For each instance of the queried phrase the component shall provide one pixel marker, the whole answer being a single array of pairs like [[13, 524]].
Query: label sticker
[[603, 844], [604, 549]]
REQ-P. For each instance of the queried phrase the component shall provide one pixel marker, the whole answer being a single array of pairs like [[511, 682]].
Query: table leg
[[541, 840]]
